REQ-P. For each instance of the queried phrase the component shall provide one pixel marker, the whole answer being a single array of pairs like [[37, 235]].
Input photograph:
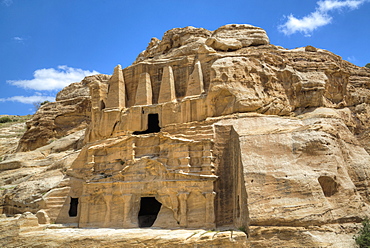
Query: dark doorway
[[73, 207], [153, 125], [149, 209]]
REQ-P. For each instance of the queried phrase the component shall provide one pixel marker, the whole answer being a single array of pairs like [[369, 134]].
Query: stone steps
[[54, 201]]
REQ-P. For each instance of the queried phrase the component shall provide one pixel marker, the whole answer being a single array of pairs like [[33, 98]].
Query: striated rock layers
[[206, 130]]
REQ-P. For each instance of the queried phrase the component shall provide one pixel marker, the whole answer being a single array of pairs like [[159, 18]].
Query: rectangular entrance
[[153, 125], [149, 209], [73, 207]]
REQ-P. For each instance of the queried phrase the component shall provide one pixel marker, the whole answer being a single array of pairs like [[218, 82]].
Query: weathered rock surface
[[10, 133], [26, 177], [70, 113], [247, 134], [236, 36]]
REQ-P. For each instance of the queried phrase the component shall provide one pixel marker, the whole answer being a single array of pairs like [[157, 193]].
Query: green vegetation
[[5, 119], [37, 105], [14, 118], [363, 237], [367, 65]]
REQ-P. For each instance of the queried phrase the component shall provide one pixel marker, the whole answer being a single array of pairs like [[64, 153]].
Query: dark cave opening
[[149, 209], [153, 125]]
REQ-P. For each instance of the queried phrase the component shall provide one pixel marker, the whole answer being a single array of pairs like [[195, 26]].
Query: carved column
[[133, 154], [210, 209], [183, 158], [91, 157], [127, 210], [186, 111], [135, 207], [207, 159], [83, 212], [108, 201], [183, 215]]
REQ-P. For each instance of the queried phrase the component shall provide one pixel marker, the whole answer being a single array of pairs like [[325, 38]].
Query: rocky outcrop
[[10, 133], [236, 36], [27, 177], [220, 128], [54, 120], [190, 40]]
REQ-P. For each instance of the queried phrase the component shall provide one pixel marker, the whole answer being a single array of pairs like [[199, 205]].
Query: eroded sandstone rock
[[212, 129], [235, 36], [70, 113]]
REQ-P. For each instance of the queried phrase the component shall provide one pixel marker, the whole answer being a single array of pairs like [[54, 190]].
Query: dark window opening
[[149, 209], [153, 125], [73, 207]]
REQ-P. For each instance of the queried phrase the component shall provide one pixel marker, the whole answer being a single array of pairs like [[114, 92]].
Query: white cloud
[[7, 2], [53, 79], [328, 5], [305, 25], [28, 99], [320, 17], [18, 38]]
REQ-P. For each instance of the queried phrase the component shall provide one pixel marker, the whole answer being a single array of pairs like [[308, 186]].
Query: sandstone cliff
[[295, 122], [70, 113]]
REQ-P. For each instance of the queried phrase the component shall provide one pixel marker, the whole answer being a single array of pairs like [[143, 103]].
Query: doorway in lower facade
[[149, 209]]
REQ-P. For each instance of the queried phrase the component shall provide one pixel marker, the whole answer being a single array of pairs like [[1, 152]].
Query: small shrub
[[5, 119], [37, 105], [367, 65], [363, 237]]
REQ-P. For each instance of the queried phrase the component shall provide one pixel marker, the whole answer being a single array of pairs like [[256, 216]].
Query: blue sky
[[47, 44]]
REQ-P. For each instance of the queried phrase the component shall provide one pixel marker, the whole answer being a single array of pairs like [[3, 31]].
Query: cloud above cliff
[[28, 99], [320, 17], [53, 79]]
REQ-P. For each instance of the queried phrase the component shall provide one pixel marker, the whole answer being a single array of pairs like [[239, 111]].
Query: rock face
[[10, 133], [70, 113], [211, 130], [236, 36]]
